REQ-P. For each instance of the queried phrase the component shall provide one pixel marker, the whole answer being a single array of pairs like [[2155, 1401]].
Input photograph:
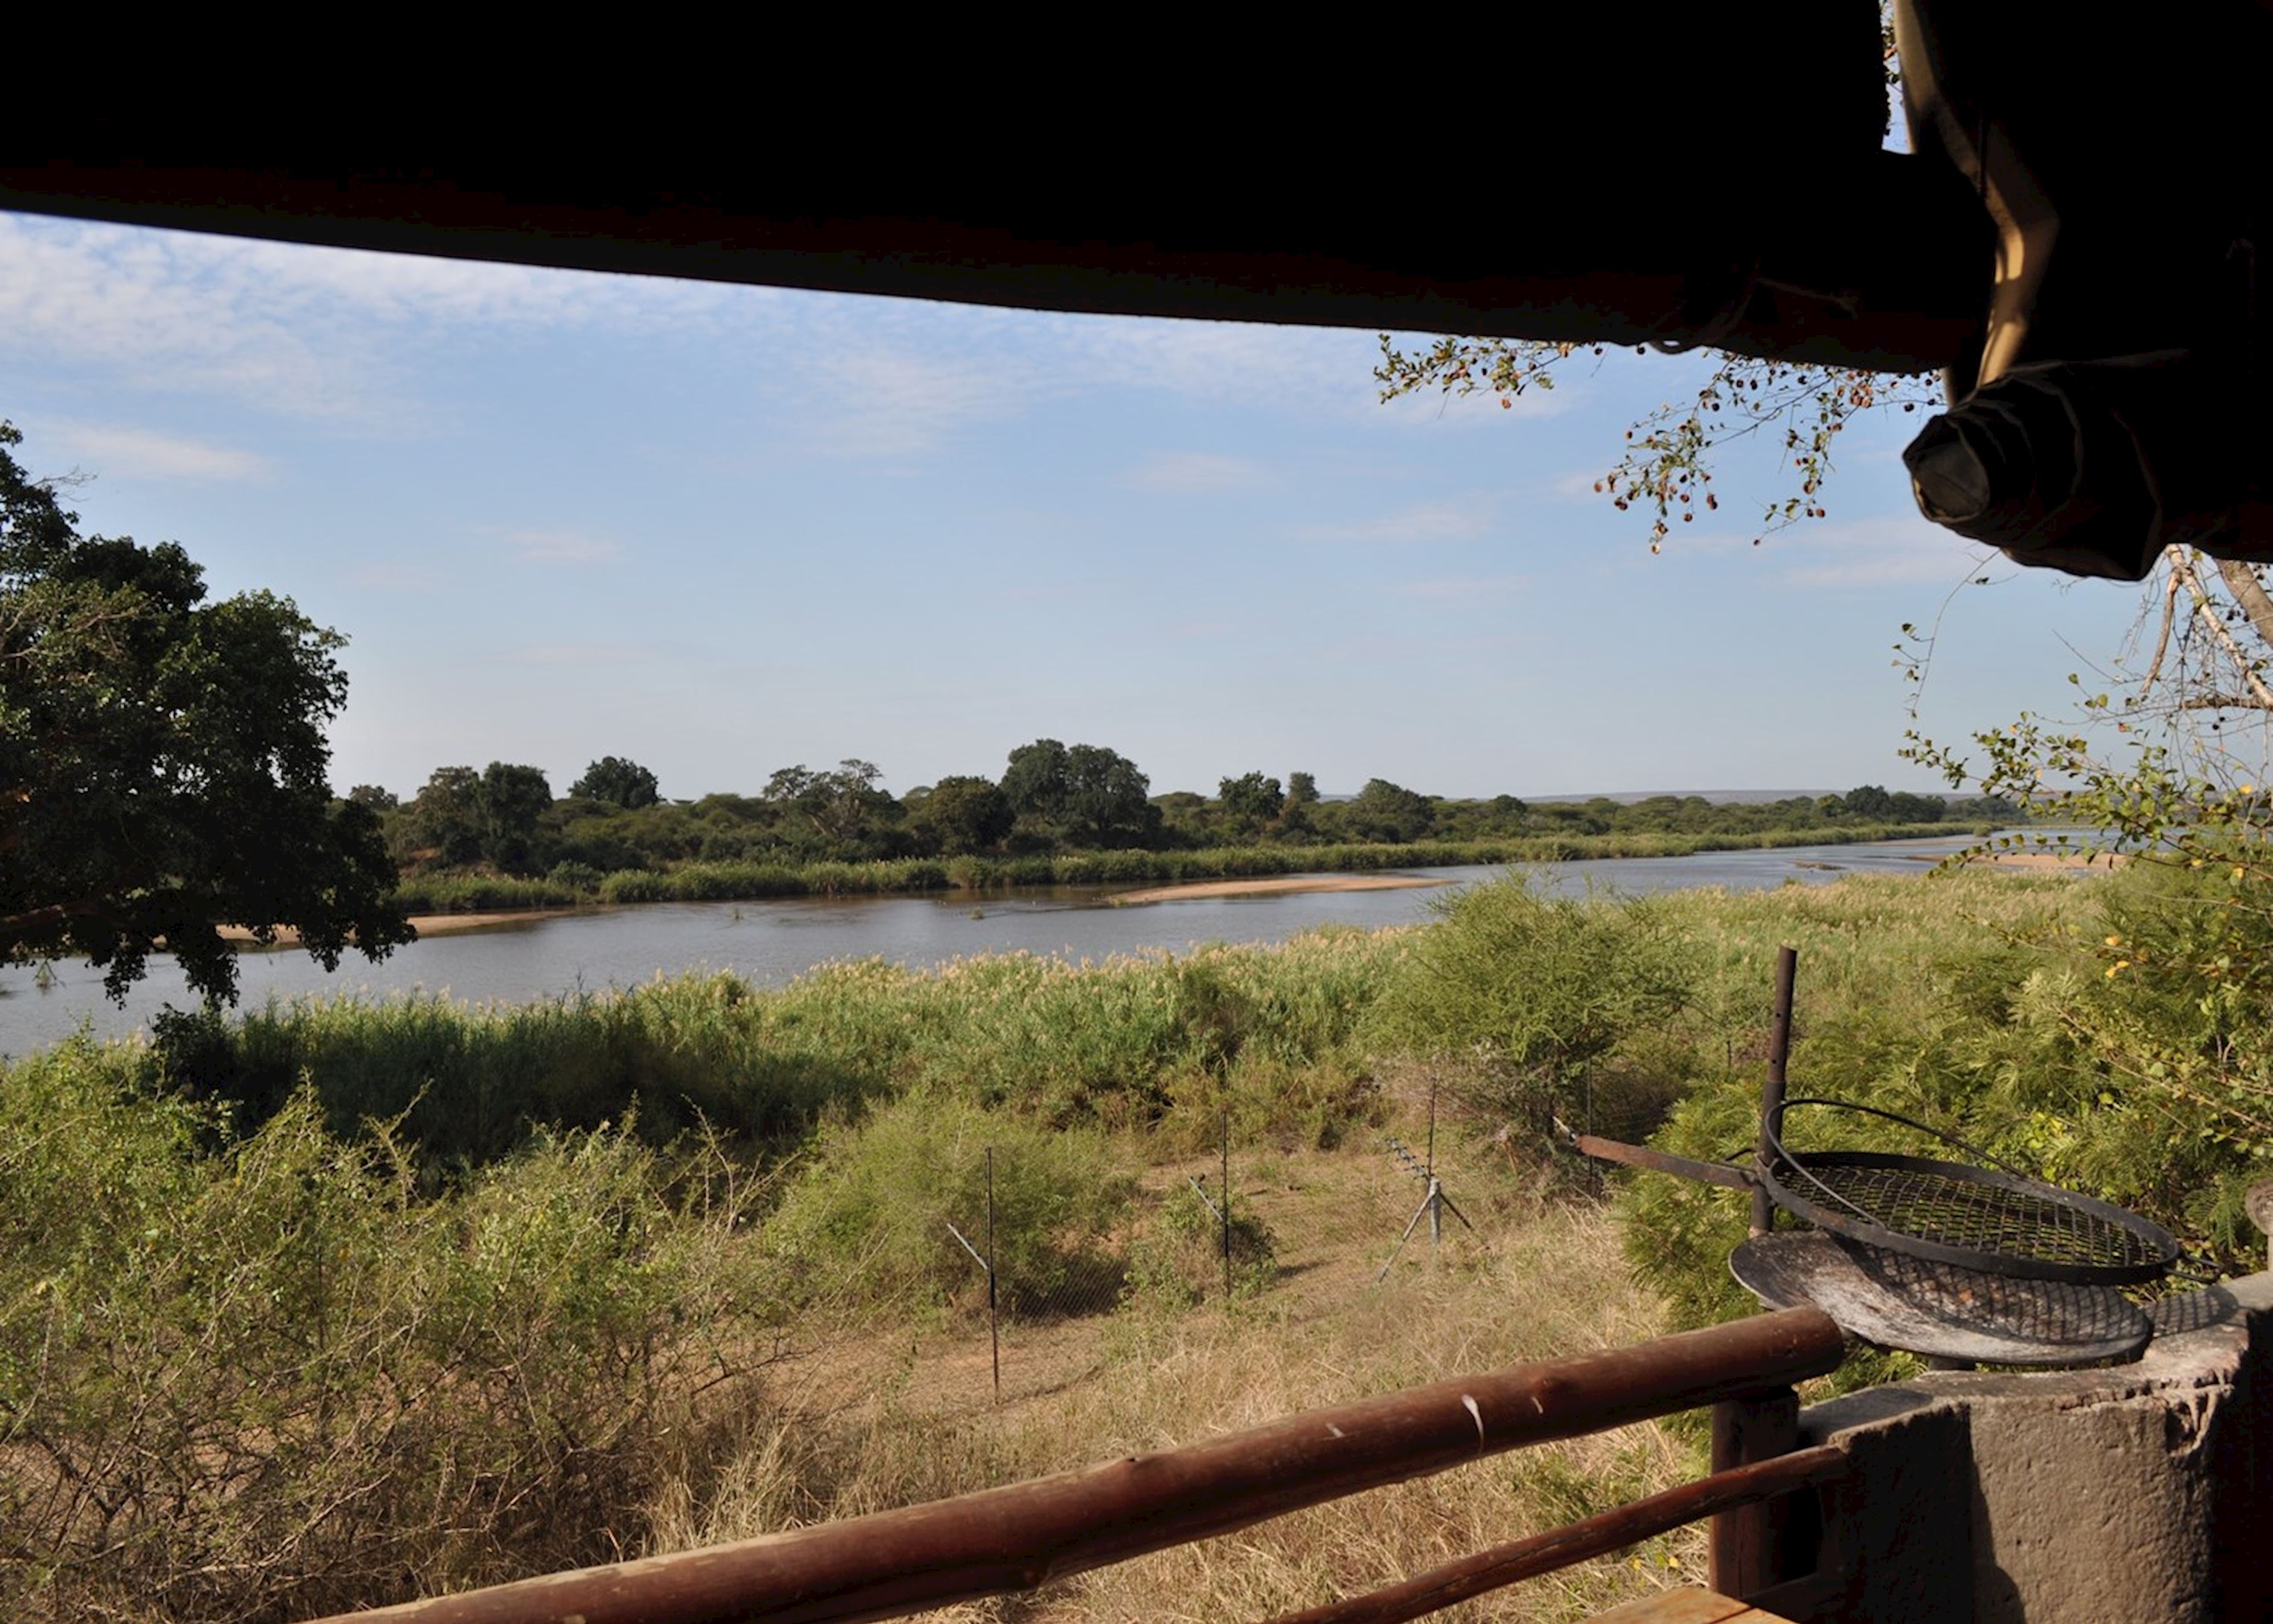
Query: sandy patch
[[2051, 859], [426, 925], [1272, 888]]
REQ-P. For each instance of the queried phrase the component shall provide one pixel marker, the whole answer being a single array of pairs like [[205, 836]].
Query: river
[[771, 942]]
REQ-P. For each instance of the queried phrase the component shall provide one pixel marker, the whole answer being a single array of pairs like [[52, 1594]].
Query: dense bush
[[1143, 1041], [261, 1377], [870, 1216], [1524, 992], [1176, 1260]]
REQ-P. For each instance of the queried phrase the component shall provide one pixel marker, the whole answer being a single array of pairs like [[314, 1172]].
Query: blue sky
[[725, 529]]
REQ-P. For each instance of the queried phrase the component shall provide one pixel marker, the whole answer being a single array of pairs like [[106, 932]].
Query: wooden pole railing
[[1025, 1535]]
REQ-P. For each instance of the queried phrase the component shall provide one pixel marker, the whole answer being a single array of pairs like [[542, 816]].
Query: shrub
[[1531, 989], [1175, 1262], [868, 1219], [270, 1380], [635, 885]]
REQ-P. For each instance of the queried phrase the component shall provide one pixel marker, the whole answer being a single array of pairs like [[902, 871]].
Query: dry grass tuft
[[1552, 1284]]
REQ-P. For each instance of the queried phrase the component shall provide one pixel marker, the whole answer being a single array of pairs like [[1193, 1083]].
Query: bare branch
[[2163, 637], [2182, 570]]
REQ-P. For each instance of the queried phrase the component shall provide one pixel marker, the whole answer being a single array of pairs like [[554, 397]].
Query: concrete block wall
[[2135, 1492]]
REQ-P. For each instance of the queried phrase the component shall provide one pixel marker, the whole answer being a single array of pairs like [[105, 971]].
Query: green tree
[[1528, 990], [508, 802], [964, 812], [618, 782], [443, 823], [1035, 781], [840, 806], [1390, 813], [1107, 800], [375, 797], [1085, 795], [163, 762], [1250, 800]]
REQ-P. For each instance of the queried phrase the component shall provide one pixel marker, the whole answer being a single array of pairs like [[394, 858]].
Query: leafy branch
[[1666, 470]]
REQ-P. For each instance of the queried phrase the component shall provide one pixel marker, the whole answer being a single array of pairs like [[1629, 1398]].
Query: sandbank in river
[[1272, 888]]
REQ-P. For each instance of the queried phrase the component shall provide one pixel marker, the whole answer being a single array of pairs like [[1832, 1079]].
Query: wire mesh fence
[[1023, 1286]]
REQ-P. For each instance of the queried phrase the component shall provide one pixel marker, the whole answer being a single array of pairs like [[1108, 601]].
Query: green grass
[[1150, 1040]]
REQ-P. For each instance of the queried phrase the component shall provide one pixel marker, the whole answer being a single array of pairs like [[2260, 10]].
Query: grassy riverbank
[[333, 1303], [571, 887]]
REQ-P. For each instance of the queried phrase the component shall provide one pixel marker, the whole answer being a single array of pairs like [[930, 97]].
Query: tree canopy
[[163, 762], [618, 782], [1086, 795]]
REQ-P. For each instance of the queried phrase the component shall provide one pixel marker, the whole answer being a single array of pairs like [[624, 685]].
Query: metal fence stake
[[1772, 1091], [1436, 1190], [1227, 1209], [987, 1265], [993, 1327]]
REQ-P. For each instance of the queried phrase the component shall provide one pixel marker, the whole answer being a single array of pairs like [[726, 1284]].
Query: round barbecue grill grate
[[1896, 1300], [1973, 1217]]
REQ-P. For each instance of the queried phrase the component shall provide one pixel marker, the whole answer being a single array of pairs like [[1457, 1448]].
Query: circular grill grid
[[1979, 1216], [2039, 1310], [1970, 1212]]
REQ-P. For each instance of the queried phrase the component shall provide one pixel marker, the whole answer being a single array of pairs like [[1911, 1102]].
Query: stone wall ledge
[[2139, 1491]]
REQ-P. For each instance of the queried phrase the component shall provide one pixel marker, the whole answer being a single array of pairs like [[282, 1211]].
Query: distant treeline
[[1058, 814]]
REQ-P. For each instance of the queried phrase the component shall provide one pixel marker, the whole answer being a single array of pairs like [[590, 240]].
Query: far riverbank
[[984, 876], [527, 956]]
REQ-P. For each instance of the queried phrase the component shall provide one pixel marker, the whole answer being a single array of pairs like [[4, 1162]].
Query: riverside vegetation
[[336, 1303], [1059, 815]]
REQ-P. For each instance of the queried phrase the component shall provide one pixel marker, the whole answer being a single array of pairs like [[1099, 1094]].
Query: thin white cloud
[[1901, 549], [1197, 473], [334, 335], [147, 454], [559, 547], [889, 401], [1458, 520], [1246, 362], [304, 331]]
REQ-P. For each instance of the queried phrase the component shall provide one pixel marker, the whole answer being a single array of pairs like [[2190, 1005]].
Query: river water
[[771, 942]]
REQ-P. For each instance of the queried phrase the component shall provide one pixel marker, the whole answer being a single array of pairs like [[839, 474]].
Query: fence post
[[1745, 1548], [1226, 1214], [1435, 1191], [1772, 1091], [993, 1327]]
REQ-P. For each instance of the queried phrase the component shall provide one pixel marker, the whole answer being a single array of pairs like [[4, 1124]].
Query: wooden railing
[[1027, 1534]]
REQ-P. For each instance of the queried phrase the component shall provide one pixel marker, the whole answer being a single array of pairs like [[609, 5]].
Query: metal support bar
[[993, 1285], [1433, 1207], [967, 1246]]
